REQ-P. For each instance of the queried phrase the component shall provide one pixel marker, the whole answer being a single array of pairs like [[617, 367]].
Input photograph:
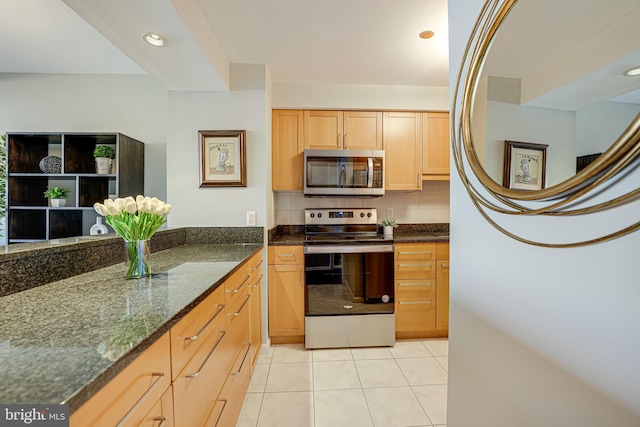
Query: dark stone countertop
[[286, 235], [54, 338]]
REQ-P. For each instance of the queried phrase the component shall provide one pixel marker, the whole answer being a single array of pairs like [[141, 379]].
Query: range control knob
[[361, 214], [319, 215], [369, 215], [312, 215]]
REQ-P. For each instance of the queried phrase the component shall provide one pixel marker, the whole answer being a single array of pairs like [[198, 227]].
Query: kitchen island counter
[[63, 341]]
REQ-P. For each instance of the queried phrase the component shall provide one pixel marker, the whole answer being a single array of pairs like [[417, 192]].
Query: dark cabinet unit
[[36, 161]]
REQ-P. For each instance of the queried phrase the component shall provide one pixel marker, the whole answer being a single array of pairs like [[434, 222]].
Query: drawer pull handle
[[135, 407], [415, 253], [194, 375], [248, 344], [286, 255], [417, 264], [241, 307], [445, 265], [162, 420], [415, 284], [197, 334], [257, 266], [224, 406], [258, 281], [415, 302], [241, 285]]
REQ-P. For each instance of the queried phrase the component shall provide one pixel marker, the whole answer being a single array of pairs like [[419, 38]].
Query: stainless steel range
[[348, 280]]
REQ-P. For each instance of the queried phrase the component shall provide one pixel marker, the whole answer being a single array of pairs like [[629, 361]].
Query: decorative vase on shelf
[[58, 203], [98, 228], [137, 262], [103, 165]]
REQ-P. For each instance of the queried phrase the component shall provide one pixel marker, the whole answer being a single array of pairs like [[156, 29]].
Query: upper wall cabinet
[[435, 146], [403, 150], [288, 149], [342, 130]]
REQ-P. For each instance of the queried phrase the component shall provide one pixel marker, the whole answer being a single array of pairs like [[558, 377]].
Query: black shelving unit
[[30, 218]]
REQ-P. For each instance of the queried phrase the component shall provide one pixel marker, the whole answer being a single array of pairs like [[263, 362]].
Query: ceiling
[[330, 41], [301, 41]]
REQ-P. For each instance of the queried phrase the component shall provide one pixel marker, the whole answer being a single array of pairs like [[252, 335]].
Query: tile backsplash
[[429, 206]]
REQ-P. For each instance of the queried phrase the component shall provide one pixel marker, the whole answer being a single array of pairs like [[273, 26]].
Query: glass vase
[[137, 261]]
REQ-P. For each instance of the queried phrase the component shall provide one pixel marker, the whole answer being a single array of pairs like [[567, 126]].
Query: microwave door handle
[[343, 176], [370, 172]]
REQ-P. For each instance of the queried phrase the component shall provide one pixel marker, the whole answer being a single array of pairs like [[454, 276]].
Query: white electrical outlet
[[389, 211], [251, 217]]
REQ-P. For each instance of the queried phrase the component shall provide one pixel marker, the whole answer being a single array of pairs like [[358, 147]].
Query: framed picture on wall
[[525, 165], [222, 158]]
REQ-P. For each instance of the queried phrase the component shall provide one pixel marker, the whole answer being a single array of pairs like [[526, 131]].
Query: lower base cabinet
[[209, 355]]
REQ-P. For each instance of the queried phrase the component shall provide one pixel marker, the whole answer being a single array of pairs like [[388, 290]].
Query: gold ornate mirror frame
[[557, 200]]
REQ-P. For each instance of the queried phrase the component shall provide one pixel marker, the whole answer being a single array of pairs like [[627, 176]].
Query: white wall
[[243, 109], [539, 337], [134, 105], [431, 205], [601, 124]]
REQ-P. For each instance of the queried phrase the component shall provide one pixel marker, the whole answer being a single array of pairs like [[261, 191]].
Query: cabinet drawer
[[196, 387], [235, 389], [286, 255], [415, 315], [415, 252], [162, 412], [235, 286], [132, 394], [254, 264], [192, 330], [415, 288], [415, 270]]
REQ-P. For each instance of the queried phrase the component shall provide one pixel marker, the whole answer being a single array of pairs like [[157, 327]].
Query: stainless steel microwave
[[343, 173]]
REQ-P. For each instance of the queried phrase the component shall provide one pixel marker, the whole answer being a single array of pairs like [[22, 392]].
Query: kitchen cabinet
[[68, 161], [288, 150], [342, 130], [286, 294], [435, 146], [421, 290], [402, 142], [133, 393]]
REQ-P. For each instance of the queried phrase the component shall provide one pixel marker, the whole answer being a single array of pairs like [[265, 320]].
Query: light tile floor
[[403, 385]]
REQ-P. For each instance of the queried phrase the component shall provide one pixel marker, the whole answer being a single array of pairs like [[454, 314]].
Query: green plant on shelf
[[104, 151], [389, 222], [56, 193]]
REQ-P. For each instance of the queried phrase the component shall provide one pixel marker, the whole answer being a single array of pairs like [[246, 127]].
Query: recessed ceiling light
[[635, 71], [426, 34], [154, 39]]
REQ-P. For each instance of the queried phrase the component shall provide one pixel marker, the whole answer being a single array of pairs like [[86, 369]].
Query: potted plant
[[388, 224], [104, 156], [57, 196]]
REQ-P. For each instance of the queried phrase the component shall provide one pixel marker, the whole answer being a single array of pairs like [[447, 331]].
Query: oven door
[[348, 279]]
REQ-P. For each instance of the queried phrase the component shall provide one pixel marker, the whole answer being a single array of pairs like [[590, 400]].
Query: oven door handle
[[347, 249]]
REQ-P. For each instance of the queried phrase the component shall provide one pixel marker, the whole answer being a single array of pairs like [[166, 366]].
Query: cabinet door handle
[[286, 255], [300, 181], [300, 275], [415, 284], [146, 394], [162, 420], [195, 374], [346, 139], [241, 307], [258, 281], [418, 181], [446, 265], [415, 302], [224, 406], [257, 266], [241, 284], [248, 344], [197, 334], [414, 253], [339, 140], [416, 264]]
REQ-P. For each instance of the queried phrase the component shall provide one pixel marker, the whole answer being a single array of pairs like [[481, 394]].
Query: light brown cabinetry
[[208, 354], [286, 294], [421, 300], [402, 143], [288, 150], [342, 130], [442, 287], [133, 393], [435, 146]]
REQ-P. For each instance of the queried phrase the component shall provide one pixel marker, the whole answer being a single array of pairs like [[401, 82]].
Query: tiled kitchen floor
[[404, 385]]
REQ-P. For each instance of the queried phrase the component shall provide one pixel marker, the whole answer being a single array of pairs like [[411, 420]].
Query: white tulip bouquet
[[135, 220]]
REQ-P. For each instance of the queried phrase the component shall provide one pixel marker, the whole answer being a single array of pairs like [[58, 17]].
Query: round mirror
[[554, 77], [549, 105]]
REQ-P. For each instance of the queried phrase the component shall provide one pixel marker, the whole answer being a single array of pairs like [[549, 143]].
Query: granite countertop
[[284, 235], [56, 340]]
